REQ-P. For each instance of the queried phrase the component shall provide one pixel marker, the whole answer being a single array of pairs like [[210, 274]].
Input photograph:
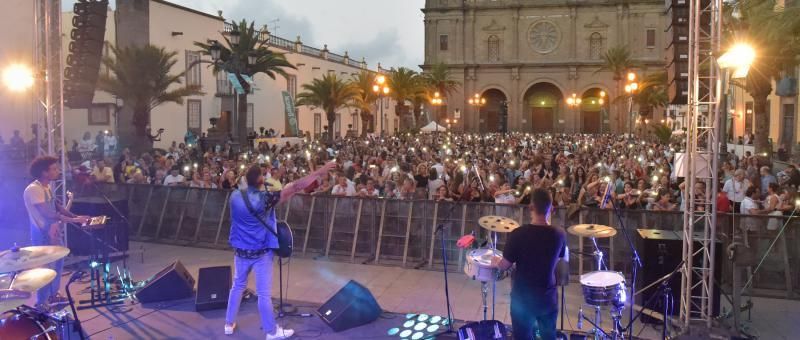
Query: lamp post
[[603, 111], [382, 90], [574, 102], [477, 101], [437, 102], [736, 64], [631, 88]]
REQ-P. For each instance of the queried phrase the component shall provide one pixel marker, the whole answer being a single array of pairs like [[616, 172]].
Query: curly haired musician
[[535, 248], [46, 222], [253, 245]]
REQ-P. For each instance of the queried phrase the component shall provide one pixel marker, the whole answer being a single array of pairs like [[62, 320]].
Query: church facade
[[533, 55]]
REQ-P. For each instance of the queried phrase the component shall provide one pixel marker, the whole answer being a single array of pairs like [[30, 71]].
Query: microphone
[[580, 318]]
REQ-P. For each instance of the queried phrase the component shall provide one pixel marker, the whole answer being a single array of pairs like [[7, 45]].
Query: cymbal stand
[[484, 298], [494, 277], [598, 255]]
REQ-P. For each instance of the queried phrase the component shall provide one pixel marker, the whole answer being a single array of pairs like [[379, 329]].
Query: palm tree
[[652, 93], [772, 32], [330, 94], [437, 79], [618, 61], [365, 100], [233, 59], [406, 85], [140, 76]]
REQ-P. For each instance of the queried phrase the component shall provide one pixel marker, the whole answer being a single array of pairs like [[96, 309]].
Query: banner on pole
[[291, 116]]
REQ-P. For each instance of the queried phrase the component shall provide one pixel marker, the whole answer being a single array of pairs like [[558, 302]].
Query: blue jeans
[[262, 267], [41, 238]]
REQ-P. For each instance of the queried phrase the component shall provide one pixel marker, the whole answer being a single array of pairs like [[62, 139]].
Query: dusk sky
[[387, 31]]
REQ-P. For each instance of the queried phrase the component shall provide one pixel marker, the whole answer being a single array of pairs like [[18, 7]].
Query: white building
[[176, 28]]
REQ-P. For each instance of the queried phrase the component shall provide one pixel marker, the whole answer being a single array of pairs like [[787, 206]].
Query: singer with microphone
[[535, 248]]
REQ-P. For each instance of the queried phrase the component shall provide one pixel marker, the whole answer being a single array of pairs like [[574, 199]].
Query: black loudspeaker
[[114, 234], [351, 306], [662, 253], [171, 283], [85, 52], [213, 288]]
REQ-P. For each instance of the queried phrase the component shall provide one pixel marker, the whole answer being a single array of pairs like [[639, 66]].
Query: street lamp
[[234, 35], [477, 101], [382, 90], [738, 58], [631, 88], [18, 77], [574, 102], [436, 101]]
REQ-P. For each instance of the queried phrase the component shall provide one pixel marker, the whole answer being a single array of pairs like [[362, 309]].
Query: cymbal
[[498, 224], [14, 260], [592, 230], [10, 298], [33, 279]]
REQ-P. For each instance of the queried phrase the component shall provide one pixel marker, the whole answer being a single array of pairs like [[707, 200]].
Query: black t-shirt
[[535, 249]]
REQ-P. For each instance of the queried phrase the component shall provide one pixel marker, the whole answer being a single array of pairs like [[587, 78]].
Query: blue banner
[[237, 86]]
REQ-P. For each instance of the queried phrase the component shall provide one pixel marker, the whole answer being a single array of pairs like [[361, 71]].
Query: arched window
[[595, 46], [494, 48]]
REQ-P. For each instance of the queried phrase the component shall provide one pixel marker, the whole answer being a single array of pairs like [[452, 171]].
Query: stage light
[[18, 77], [409, 323], [393, 331], [420, 326], [94, 264]]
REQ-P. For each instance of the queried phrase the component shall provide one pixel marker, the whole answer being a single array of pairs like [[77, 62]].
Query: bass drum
[[17, 325]]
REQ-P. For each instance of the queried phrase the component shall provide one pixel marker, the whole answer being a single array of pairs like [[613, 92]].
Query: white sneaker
[[229, 328], [280, 333]]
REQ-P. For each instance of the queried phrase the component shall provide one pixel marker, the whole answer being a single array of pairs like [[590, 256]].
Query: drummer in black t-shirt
[[535, 248]]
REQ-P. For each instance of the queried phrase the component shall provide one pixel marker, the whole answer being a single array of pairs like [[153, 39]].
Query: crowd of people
[[580, 170]]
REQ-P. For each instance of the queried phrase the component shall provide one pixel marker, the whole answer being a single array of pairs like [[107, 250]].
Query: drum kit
[[19, 280], [601, 288]]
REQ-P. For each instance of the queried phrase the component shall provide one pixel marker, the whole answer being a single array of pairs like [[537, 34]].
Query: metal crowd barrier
[[404, 232]]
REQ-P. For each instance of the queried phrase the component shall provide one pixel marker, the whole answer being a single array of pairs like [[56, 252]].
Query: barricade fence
[[407, 232]]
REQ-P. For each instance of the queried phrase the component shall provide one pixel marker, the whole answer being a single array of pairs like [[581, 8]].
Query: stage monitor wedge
[[171, 283], [213, 288], [350, 307]]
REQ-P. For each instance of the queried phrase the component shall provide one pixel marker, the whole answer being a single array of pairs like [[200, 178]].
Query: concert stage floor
[[398, 291]]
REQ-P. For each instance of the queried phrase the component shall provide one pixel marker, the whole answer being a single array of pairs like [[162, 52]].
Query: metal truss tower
[[48, 71], [702, 155]]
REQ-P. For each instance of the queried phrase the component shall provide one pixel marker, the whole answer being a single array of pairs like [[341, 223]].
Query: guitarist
[[254, 245], [46, 222]]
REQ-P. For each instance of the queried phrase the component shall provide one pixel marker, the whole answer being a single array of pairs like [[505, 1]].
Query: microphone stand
[[636, 261], [440, 228], [78, 328]]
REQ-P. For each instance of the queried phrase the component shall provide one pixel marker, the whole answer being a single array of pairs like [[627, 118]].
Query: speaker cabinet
[[662, 252], [350, 307], [171, 283], [109, 239], [213, 288]]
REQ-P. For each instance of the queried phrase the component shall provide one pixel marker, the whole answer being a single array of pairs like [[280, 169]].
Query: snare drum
[[604, 288], [18, 325], [479, 265]]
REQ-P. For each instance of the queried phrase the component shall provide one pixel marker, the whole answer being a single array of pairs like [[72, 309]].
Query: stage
[[402, 293]]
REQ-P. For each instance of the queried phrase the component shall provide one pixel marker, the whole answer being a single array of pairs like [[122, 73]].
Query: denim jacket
[[247, 233]]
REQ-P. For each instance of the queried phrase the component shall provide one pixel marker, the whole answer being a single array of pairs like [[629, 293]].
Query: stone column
[[573, 18]]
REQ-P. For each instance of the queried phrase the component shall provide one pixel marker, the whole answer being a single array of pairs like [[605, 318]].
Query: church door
[[542, 119], [591, 121]]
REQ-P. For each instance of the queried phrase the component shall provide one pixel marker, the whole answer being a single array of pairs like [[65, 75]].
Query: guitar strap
[[250, 208]]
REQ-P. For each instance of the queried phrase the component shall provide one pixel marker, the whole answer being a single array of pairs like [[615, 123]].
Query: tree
[[773, 32], [618, 61], [652, 93], [140, 77], [233, 59], [365, 99], [406, 85], [330, 94], [437, 79]]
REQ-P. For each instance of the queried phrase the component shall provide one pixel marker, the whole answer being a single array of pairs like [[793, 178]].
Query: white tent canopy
[[432, 126]]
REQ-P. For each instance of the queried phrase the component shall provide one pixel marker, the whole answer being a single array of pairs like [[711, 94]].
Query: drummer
[[535, 248], [46, 218]]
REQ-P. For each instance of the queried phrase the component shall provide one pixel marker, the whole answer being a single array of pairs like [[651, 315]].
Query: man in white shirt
[[174, 177], [370, 190], [735, 189], [47, 218], [343, 188]]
